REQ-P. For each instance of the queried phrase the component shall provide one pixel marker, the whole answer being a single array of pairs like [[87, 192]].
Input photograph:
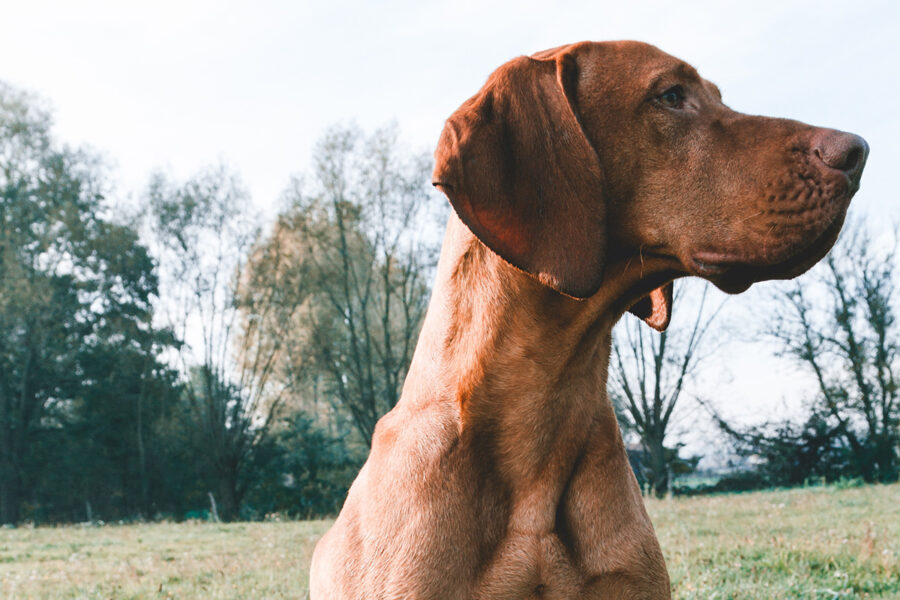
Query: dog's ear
[[523, 176], [656, 307]]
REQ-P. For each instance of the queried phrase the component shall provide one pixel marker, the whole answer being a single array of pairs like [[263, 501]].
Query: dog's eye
[[672, 97]]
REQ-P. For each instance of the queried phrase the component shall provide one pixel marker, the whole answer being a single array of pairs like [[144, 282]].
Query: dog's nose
[[841, 151]]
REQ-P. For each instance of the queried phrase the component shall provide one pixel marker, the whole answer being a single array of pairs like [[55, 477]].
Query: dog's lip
[[735, 269], [710, 263]]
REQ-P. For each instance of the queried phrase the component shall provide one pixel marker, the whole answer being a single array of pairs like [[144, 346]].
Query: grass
[[166, 560], [811, 543]]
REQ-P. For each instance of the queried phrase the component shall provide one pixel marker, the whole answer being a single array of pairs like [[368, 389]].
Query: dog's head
[[586, 153]]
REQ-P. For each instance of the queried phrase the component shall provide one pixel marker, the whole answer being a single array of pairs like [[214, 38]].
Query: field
[[811, 543]]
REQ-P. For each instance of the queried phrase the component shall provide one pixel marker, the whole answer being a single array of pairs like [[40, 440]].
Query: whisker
[[766, 242], [751, 216]]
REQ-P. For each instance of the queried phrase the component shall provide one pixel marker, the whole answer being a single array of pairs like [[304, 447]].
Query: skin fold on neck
[[522, 366]]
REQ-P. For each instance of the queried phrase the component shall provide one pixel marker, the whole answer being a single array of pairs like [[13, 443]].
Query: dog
[[584, 179]]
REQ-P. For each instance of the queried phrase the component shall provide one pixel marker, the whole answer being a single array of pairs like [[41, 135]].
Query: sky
[[182, 84]]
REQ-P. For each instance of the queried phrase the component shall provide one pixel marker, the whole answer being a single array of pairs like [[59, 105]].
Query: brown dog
[[584, 180]]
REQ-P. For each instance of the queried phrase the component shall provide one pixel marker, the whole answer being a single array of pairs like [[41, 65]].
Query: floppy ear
[[656, 307], [522, 175]]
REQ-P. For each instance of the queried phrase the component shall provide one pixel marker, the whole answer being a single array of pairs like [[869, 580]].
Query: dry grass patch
[[186, 560]]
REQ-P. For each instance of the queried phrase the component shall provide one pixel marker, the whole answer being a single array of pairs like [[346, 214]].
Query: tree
[[204, 234], [71, 281], [302, 471], [647, 378], [789, 453], [840, 326], [350, 259]]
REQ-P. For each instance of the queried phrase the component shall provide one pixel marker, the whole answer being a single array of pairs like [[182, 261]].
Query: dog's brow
[[681, 70], [658, 76]]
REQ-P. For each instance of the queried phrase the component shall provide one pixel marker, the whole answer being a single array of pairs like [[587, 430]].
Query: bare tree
[[841, 327], [204, 236], [352, 255], [647, 378]]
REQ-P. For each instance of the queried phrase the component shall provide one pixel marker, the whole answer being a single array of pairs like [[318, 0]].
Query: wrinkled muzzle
[[785, 208]]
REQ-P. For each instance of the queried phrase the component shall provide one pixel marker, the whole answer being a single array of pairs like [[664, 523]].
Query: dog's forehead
[[646, 63], [640, 64], [626, 51]]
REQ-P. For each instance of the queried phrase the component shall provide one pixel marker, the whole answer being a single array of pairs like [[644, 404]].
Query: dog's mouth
[[733, 273], [795, 230]]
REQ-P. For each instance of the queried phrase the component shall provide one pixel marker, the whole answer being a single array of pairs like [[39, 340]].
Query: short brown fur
[[580, 191]]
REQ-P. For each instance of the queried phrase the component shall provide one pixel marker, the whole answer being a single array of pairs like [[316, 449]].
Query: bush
[[302, 472]]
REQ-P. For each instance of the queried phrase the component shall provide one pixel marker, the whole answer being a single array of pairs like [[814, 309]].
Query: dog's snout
[[841, 151]]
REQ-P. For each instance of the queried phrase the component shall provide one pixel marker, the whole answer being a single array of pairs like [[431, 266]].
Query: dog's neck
[[522, 367]]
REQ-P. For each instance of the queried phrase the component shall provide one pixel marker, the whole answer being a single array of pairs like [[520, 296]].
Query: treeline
[[178, 359], [838, 326]]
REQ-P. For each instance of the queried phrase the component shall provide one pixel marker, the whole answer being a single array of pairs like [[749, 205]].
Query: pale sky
[[182, 84]]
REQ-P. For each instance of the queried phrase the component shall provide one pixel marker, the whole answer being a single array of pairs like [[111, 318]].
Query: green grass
[[187, 560], [815, 543], [810, 543]]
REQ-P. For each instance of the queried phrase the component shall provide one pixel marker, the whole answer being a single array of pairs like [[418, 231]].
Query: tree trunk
[[886, 457], [658, 476], [229, 499], [142, 454], [10, 489], [10, 483]]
